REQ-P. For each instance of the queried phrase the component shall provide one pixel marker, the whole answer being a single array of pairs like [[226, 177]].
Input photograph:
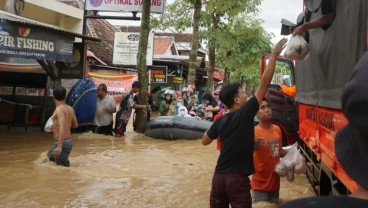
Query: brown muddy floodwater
[[137, 171]]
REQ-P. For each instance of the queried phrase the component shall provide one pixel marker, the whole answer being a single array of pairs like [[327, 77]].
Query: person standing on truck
[[351, 143], [328, 11], [235, 129], [267, 152]]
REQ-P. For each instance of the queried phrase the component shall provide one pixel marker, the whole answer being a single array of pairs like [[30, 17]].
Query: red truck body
[[314, 115]]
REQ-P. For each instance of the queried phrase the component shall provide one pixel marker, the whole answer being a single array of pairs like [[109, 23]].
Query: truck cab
[[281, 95]]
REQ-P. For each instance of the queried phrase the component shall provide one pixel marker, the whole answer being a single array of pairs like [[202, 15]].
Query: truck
[[313, 116]]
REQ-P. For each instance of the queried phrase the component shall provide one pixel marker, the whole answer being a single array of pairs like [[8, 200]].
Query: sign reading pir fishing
[[157, 6], [34, 43]]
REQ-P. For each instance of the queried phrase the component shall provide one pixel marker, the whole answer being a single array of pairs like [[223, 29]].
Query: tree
[[220, 14], [213, 21], [195, 41], [180, 15], [241, 50], [141, 118]]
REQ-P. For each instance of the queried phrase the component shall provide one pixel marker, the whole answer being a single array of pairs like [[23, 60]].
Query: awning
[[22, 68], [5, 16], [22, 75], [92, 55]]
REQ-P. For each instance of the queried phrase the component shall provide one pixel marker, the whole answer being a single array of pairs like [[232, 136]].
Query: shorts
[[272, 197], [63, 158], [106, 130], [233, 189]]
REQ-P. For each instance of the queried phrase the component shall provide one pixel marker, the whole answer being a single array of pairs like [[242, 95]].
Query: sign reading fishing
[[34, 43], [157, 6]]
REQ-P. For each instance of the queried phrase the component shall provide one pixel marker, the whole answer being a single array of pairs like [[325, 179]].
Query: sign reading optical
[[157, 6]]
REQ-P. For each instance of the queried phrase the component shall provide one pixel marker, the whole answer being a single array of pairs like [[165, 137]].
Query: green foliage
[[282, 70], [242, 47], [178, 15], [231, 27]]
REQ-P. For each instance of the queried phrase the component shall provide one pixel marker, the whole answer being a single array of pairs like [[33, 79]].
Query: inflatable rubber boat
[[176, 127]]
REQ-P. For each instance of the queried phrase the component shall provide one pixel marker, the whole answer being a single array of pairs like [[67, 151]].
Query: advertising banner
[[116, 84], [157, 6], [126, 48], [34, 43], [158, 74]]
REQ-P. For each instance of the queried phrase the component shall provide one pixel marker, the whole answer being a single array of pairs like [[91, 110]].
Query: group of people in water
[[187, 104], [244, 149]]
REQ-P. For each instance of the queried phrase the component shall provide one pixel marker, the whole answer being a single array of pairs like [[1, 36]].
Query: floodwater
[[136, 171]]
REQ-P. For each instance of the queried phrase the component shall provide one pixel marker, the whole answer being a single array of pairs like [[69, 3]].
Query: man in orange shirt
[[267, 151]]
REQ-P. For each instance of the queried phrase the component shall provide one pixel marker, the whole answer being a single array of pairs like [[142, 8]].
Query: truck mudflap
[[317, 131]]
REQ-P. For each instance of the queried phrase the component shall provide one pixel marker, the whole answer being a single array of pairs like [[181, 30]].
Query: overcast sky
[[271, 11]]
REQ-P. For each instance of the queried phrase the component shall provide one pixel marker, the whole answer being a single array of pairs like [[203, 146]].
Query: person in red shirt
[[217, 116], [267, 151]]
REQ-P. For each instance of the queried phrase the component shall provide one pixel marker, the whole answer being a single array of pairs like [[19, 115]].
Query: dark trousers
[[106, 130], [233, 189]]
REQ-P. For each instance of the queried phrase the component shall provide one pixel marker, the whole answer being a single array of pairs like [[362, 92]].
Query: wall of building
[[52, 12]]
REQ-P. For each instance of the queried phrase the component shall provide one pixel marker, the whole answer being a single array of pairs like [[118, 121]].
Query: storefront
[[55, 56]]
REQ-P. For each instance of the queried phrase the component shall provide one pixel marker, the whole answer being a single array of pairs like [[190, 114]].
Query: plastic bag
[[292, 162], [301, 165], [297, 48], [49, 124]]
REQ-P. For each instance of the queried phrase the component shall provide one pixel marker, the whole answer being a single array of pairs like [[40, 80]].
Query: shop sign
[[177, 80], [158, 74], [7, 90], [126, 48], [157, 6], [34, 43]]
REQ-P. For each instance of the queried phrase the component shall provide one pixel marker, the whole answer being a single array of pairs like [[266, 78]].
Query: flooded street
[[113, 172]]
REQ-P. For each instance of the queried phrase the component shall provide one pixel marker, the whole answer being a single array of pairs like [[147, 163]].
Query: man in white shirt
[[105, 108]]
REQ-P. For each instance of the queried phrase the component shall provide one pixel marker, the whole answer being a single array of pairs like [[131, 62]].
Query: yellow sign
[[177, 80]]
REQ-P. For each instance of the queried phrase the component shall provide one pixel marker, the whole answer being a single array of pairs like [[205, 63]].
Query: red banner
[[116, 84]]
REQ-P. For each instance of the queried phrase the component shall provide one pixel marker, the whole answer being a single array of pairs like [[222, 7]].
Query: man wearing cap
[[351, 143]]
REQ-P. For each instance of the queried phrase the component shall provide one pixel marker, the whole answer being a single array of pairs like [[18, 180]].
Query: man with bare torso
[[63, 119]]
